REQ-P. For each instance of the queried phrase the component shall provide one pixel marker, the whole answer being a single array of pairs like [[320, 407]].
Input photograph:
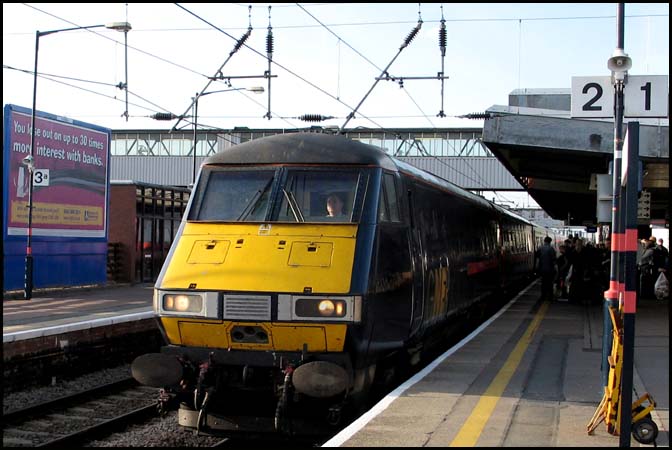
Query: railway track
[[92, 415], [73, 419]]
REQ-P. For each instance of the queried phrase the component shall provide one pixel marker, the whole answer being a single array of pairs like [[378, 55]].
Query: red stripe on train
[[481, 266]]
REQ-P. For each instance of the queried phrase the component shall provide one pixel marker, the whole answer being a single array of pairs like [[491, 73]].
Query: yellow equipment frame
[[609, 409]]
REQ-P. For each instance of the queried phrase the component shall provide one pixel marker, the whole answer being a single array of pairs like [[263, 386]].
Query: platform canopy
[[556, 158]]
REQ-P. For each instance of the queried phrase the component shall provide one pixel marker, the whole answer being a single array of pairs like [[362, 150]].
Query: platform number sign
[[644, 96], [41, 177]]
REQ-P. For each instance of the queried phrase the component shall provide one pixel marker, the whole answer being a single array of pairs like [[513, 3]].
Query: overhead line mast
[[407, 41]]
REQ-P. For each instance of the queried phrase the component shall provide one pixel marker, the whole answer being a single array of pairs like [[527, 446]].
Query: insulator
[[241, 41], [442, 38], [163, 116], [477, 116], [314, 117], [412, 34], [269, 42]]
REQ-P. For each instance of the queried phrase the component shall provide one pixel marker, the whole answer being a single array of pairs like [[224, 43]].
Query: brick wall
[[122, 227]]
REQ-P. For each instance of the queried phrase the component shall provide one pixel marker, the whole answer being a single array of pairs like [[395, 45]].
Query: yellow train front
[[277, 315]]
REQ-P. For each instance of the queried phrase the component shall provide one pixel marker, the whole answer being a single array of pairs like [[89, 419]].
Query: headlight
[[188, 303], [182, 303], [320, 307]]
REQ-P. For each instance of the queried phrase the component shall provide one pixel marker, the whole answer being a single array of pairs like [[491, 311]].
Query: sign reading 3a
[[644, 96], [41, 177]]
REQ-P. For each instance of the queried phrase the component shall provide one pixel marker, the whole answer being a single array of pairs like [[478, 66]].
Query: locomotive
[[268, 303]]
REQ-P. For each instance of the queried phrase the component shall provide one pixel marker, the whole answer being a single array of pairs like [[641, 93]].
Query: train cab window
[[233, 196], [319, 196], [388, 206]]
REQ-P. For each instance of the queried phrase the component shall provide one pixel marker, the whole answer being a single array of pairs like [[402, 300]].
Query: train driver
[[335, 206]]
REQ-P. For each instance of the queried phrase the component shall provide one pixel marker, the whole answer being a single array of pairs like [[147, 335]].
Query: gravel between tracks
[[158, 432], [37, 394]]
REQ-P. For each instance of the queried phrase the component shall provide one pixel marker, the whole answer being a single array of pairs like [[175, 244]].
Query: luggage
[[662, 287]]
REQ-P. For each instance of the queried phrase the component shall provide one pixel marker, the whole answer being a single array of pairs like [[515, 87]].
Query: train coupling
[[163, 402], [281, 420]]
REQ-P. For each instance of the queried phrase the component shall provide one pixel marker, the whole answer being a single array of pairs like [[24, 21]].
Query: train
[[279, 317]]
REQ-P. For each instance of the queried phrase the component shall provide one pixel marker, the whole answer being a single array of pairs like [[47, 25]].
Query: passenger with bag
[[661, 260], [661, 257]]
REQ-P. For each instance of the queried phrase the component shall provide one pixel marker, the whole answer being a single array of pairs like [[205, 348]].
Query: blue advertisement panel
[[70, 199]]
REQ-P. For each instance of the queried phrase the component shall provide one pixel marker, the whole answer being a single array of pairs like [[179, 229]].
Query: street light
[[28, 276], [125, 27], [255, 89]]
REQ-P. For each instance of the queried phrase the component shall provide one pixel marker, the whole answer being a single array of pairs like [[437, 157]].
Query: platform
[[530, 376], [55, 311]]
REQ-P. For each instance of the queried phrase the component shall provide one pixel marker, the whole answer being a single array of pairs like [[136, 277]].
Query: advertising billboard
[[69, 197]]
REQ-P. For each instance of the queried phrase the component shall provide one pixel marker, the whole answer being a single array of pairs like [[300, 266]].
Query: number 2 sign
[[644, 96]]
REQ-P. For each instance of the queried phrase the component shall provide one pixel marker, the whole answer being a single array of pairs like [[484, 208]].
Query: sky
[[326, 58]]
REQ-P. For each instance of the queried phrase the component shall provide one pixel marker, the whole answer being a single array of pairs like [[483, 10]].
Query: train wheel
[[645, 431]]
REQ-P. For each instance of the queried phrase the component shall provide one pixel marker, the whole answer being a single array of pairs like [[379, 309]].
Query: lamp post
[[28, 276], [125, 27], [255, 89]]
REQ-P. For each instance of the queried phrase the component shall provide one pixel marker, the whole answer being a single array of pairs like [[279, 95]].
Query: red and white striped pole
[[619, 64]]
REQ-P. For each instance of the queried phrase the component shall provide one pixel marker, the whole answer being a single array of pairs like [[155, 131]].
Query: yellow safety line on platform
[[473, 427]]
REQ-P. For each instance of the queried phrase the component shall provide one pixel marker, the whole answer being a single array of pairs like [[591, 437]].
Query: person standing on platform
[[661, 258], [647, 272], [641, 245], [569, 249], [563, 269], [579, 262], [546, 259]]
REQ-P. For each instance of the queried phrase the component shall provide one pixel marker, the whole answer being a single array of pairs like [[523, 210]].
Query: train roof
[[440, 182], [516, 216], [303, 148]]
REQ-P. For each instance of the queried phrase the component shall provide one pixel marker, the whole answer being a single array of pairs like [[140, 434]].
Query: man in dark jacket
[[545, 266], [563, 269], [660, 257], [647, 271]]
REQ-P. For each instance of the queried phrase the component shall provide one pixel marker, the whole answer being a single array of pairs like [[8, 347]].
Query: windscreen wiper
[[294, 206], [253, 203]]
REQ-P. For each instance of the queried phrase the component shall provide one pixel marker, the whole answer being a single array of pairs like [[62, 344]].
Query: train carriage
[[266, 299]]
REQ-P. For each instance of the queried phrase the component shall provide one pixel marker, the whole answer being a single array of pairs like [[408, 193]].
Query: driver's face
[[334, 206]]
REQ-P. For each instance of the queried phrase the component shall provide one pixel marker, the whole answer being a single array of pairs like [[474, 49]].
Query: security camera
[[28, 161]]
